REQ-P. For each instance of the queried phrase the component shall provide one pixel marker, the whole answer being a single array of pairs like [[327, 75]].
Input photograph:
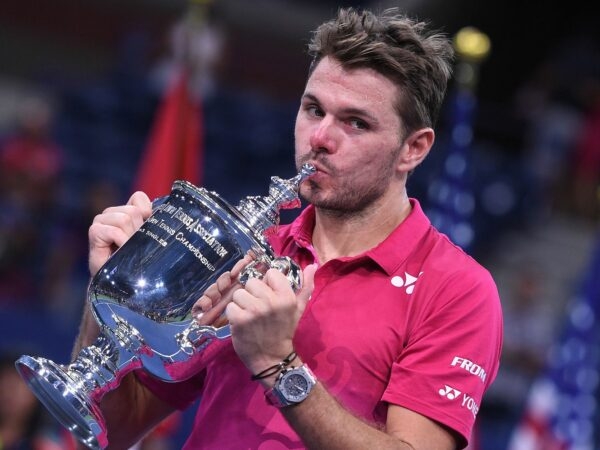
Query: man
[[401, 329]]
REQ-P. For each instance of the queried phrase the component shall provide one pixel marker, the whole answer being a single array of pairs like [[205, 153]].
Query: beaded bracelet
[[276, 368]]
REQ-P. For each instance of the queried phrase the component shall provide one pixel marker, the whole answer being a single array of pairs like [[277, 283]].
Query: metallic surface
[[143, 298]]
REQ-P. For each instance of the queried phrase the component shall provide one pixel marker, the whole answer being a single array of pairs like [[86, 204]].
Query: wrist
[[269, 375]]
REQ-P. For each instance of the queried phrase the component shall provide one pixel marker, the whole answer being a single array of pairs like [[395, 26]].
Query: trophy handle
[[196, 336], [284, 264]]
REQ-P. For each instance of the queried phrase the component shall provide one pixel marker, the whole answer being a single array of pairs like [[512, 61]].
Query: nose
[[322, 137]]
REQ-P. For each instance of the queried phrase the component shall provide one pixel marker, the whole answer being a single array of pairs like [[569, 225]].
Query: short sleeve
[[452, 351]]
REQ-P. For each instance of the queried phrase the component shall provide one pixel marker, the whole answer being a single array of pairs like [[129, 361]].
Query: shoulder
[[453, 281], [448, 259]]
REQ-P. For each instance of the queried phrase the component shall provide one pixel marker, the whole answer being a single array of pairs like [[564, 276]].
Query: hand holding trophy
[[149, 298]]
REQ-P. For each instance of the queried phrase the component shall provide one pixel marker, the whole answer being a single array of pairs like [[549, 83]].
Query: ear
[[415, 148]]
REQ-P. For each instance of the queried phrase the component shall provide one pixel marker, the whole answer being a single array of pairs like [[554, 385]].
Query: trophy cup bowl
[[143, 298]]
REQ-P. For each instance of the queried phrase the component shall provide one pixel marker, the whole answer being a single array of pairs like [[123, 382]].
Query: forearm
[[127, 423], [321, 422], [131, 411], [88, 331]]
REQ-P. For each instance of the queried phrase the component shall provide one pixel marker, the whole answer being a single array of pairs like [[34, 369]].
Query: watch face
[[294, 387]]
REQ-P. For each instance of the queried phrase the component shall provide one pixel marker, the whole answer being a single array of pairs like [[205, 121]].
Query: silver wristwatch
[[292, 387]]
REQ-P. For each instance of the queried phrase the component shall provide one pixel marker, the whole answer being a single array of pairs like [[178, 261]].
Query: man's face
[[348, 128]]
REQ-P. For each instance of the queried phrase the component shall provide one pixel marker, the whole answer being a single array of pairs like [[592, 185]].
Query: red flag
[[174, 149]]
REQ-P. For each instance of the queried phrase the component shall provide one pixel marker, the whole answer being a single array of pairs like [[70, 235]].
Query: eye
[[314, 111], [358, 124]]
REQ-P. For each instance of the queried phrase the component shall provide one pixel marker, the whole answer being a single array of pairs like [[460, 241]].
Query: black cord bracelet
[[276, 368]]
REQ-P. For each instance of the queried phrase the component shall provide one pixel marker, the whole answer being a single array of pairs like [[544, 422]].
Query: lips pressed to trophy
[[143, 298]]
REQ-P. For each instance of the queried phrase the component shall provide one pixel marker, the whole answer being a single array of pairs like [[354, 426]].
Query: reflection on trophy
[[142, 298]]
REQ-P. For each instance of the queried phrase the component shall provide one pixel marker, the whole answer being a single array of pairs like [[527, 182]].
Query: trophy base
[[58, 392]]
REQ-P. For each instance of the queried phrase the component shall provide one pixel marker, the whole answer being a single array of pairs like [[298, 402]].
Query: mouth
[[318, 167]]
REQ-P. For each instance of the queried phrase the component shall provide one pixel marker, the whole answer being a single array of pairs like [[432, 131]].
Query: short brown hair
[[418, 61]]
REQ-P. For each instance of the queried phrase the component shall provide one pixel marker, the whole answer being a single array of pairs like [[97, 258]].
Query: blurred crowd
[[67, 156]]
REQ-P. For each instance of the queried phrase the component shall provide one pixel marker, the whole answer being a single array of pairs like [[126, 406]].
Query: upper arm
[[418, 431]]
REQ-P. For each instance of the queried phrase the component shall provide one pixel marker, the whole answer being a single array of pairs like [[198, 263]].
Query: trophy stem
[[262, 213], [71, 393]]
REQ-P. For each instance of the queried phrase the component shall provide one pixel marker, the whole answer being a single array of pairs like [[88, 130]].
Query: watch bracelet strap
[[275, 398]]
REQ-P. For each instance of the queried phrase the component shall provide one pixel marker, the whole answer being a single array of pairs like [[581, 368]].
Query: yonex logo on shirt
[[408, 281], [467, 401], [449, 392]]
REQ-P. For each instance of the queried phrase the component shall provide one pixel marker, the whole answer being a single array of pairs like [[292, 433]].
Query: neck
[[338, 234]]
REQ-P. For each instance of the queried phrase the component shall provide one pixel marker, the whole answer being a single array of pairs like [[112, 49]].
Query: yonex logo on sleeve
[[467, 401], [449, 392]]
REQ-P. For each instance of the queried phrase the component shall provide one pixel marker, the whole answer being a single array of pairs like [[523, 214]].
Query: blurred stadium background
[[82, 82]]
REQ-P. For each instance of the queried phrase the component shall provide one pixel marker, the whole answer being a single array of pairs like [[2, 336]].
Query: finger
[[127, 217], [210, 298], [308, 284], [102, 235], [141, 201], [224, 282], [103, 241], [211, 317], [237, 315], [233, 313], [258, 288], [247, 259], [215, 293], [277, 281], [202, 305], [245, 299]]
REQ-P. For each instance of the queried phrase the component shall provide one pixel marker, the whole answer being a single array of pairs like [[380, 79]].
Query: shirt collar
[[302, 228], [391, 253]]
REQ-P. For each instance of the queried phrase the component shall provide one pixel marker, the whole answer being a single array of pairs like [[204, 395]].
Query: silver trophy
[[143, 298]]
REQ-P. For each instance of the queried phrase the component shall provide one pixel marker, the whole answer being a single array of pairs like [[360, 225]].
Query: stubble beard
[[348, 201]]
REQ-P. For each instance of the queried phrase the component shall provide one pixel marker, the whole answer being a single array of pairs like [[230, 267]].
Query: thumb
[[308, 284]]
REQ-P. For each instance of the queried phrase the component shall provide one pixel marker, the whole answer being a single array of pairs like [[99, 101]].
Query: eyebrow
[[346, 111]]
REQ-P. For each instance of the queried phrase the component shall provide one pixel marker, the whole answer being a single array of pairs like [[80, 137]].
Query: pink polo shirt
[[414, 322]]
